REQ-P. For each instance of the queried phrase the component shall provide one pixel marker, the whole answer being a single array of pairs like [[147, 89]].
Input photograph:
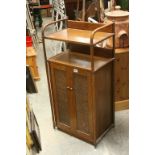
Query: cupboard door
[[82, 98], [61, 97]]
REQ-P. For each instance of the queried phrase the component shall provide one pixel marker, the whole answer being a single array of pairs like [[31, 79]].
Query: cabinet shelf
[[79, 36], [81, 61]]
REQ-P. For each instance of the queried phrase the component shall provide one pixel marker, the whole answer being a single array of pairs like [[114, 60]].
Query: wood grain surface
[[78, 36]]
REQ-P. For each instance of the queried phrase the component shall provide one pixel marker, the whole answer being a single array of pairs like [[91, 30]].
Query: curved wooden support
[[47, 68], [92, 44], [53, 22]]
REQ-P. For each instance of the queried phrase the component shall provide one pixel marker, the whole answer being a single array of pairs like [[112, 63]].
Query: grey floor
[[55, 142]]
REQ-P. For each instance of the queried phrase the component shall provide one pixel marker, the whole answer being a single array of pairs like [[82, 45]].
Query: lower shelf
[[90, 141]]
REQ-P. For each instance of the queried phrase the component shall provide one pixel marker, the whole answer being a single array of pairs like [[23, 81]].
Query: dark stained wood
[[103, 99], [49, 71], [78, 135]]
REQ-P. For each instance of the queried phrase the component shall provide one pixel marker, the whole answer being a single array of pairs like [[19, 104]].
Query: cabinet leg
[[95, 145], [113, 125]]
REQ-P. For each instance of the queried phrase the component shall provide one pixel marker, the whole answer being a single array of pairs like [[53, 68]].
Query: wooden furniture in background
[[71, 6], [82, 9], [122, 79], [81, 85], [31, 61], [47, 8], [122, 57]]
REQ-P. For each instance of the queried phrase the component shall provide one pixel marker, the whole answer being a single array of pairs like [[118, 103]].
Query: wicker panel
[[61, 94], [81, 95]]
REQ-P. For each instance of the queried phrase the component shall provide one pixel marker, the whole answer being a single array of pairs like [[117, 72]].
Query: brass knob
[[69, 88]]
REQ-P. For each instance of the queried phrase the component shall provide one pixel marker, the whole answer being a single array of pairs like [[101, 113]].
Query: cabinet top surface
[[82, 61], [78, 36]]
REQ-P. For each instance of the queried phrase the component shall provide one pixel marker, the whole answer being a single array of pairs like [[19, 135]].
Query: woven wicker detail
[[81, 93], [61, 93]]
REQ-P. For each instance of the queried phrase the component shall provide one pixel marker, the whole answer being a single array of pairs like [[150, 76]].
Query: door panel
[[81, 100], [72, 100], [81, 87], [61, 96]]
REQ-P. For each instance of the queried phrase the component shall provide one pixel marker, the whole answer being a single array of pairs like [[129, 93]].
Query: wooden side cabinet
[[72, 99], [82, 100], [81, 85]]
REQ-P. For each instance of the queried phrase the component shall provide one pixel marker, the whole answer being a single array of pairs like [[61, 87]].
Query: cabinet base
[[103, 134], [90, 141], [86, 140], [121, 105]]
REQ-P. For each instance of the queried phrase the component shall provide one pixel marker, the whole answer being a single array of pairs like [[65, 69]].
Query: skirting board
[[121, 105]]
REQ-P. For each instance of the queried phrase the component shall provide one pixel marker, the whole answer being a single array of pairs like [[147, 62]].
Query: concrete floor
[[55, 142]]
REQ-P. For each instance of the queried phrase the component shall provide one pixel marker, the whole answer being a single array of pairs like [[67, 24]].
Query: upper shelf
[[79, 36]]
